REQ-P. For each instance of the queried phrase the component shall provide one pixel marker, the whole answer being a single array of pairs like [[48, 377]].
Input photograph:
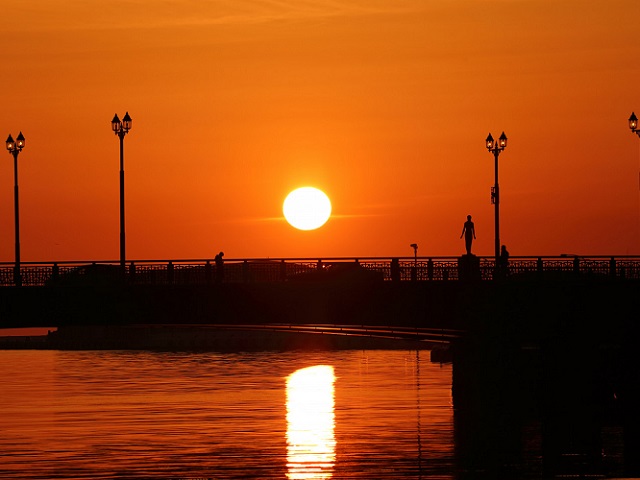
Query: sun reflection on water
[[310, 423]]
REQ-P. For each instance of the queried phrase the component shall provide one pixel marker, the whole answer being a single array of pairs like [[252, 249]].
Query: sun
[[307, 208]]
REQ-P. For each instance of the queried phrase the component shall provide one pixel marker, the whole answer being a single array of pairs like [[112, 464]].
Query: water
[[137, 414]]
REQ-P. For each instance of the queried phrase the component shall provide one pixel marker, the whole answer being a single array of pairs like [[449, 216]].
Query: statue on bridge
[[469, 233]]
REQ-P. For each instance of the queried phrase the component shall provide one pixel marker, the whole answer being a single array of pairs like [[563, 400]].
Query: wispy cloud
[[254, 220], [151, 14], [237, 12]]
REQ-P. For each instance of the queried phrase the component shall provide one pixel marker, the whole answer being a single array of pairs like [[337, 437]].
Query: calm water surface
[[122, 414]]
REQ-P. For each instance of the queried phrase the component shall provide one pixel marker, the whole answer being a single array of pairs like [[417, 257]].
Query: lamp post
[[496, 148], [415, 253], [414, 270], [633, 124], [121, 128], [14, 148]]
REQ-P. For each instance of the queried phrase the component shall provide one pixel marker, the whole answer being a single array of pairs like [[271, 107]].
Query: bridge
[[526, 300], [270, 270], [556, 336]]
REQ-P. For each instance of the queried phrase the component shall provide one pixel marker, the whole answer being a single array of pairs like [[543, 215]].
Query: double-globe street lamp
[[496, 148], [14, 148], [633, 124], [121, 128]]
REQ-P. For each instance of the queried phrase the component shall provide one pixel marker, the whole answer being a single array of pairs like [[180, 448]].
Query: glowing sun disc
[[307, 208]]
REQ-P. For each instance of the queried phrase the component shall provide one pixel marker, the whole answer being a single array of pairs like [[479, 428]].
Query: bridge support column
[[170, 273], [132, 272], [469, 268], [612, 267], [283, 271], [488, 405], [395, 270], [207, 272], [245, 272], [629, 396], [539, 266]]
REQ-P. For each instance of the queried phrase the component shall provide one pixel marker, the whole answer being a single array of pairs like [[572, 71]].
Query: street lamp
[[415, 252], [121, 128], [496, 148], [15, 147], [414, 270], [633, 124]]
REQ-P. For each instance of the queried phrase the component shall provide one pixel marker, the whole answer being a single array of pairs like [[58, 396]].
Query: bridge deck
[[421, 269]]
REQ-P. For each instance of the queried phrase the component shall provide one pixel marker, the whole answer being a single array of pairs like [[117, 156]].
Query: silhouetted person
[[469, 233], [504, 260], [219, 267], [170, 272]]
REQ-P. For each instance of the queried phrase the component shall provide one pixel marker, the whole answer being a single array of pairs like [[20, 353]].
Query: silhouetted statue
[[469, 233], [219, 267], [504, 260]]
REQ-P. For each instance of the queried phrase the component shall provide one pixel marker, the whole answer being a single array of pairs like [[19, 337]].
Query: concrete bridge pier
[[487, 401], [572, 405], [629, 397], [564, 401]]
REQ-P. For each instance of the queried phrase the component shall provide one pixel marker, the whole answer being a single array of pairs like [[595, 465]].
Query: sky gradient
[[384, 105]]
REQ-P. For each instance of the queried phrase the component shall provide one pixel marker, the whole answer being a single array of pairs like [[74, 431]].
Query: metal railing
[[254, 270]]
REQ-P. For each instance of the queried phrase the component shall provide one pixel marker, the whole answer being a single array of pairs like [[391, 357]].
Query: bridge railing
[[255, 270]]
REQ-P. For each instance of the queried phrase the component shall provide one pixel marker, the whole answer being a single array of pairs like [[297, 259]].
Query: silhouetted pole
[[414, 270], [496, 149], [121, 128], [14, 149], [633, 124]]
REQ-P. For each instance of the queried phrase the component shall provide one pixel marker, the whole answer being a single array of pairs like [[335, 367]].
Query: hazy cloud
[[145, 14]]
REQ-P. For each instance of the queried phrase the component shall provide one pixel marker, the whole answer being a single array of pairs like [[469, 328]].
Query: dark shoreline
[[201, 338]]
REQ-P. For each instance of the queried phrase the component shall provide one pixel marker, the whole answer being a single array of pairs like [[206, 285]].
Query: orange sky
[[384, 105]]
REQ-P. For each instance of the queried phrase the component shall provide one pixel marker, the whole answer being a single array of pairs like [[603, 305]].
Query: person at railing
[[504, 261], [469, 233], [219, 267]]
